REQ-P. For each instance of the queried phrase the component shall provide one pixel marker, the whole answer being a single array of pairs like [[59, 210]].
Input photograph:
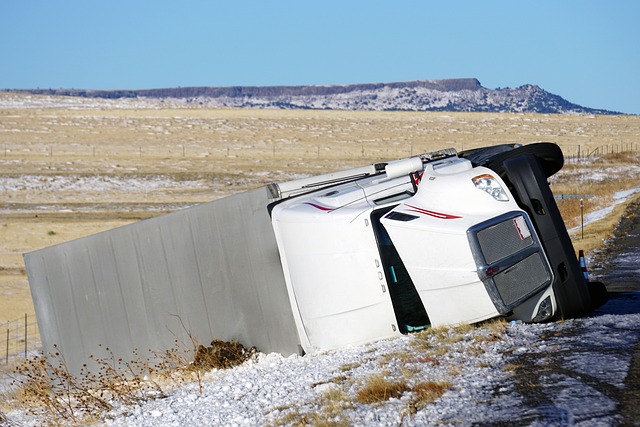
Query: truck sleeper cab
[[394, 248]]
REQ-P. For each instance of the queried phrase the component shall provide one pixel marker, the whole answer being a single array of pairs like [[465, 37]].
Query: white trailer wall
[[214, 268]]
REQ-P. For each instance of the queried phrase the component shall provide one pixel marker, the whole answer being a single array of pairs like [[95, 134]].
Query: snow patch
[[619, 198]]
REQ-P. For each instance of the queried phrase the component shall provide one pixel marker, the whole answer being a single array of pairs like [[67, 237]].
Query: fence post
[[25, 335], [7, 354], [582, 217]]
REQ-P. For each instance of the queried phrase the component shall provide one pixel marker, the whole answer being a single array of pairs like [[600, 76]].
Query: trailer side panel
[[211, 271]]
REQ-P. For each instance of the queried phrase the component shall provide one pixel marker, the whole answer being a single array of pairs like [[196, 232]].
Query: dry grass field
[[70, 168]]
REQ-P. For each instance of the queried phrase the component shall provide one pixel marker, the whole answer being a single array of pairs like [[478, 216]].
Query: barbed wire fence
[[18, 338], [275, 149], [582, 154]]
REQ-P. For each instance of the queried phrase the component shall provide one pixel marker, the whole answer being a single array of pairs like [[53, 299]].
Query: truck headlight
[[545, 310], [490, 185]]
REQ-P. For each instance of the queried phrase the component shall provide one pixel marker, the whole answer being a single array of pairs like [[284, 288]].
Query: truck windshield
[[410, 313]]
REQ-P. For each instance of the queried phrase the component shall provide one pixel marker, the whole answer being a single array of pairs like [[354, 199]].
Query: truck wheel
[[599, 294], [549, 154]]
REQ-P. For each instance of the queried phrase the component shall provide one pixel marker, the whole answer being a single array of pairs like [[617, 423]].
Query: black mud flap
[[528, 181]]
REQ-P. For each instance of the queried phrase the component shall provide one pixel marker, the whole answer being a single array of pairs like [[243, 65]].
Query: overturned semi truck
[[345, 258]]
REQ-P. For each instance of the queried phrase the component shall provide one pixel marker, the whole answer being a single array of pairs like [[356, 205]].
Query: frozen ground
[[560, 374], [580, 372], [569, 373]]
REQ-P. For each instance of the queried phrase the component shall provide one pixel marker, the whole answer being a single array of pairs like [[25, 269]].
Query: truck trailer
[[345, 258]]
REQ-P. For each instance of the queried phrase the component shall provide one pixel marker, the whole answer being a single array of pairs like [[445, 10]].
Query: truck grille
[[517, 280], [510, 259], [503, 239]]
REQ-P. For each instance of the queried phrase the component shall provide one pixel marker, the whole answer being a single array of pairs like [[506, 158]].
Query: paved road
[[584, 372], [618, 265]]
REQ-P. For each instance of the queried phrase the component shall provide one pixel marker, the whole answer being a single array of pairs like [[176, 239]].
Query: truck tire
[[549, 154]]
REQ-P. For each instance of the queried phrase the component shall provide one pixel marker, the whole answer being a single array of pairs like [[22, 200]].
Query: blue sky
[[585, 51]]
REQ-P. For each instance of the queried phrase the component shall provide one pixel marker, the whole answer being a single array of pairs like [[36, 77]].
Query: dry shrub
[[494, 329], [45, 387], [349, 366], [310, 419], [428, 391], [222, 355], [340, 379], [379, 389], [437, 340], [620, 157], [497, 325], [569, 210], [333, 403], [3, 419]]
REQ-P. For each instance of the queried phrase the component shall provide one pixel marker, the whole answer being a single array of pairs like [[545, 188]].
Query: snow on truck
[[349, 257]]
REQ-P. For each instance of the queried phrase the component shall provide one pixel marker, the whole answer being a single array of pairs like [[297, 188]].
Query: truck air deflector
[[400, 216], [510, 259]]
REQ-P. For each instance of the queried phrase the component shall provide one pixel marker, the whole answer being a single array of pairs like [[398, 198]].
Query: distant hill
[[462, 95]]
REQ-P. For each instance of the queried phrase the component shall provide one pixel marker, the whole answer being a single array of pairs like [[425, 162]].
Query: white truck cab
[[426, 241]]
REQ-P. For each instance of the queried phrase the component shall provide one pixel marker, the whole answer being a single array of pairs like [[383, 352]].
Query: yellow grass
[[379, 388]]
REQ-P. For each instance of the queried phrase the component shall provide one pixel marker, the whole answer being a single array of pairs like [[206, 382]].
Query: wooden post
[[582, 217], [25, 335]]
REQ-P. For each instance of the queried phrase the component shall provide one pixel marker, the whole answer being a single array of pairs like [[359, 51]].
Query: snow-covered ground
[[575, 369], [560, 374]]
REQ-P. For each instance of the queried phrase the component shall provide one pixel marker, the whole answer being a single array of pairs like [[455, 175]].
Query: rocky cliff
[[420, 95]]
